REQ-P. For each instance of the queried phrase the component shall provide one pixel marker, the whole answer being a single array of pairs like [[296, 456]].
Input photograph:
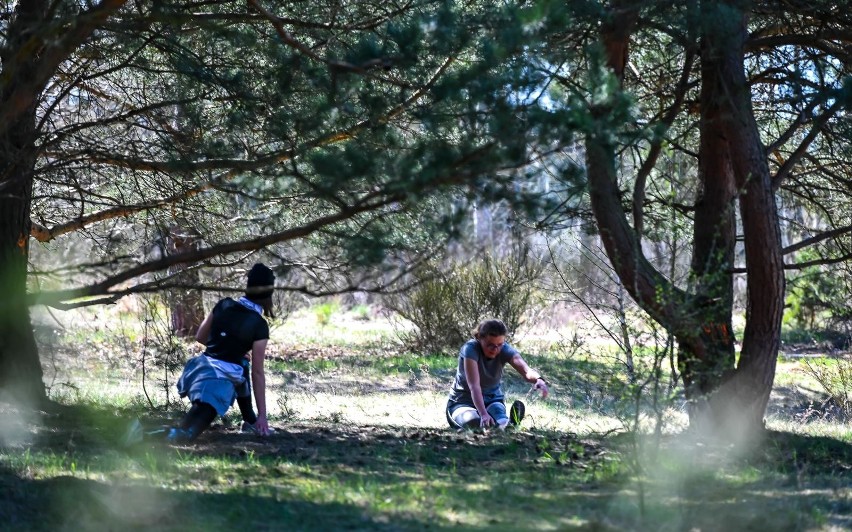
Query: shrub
[[324, 311], [817, 302], [834, 375], [447, 304]]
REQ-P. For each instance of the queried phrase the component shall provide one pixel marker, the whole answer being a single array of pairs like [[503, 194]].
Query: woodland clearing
[[361, 444]]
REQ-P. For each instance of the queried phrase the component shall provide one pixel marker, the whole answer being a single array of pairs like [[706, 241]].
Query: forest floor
[[361, 443], [73, 474]]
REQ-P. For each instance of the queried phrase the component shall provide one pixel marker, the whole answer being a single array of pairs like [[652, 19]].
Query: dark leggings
[[244, 403], [201, 415], [246, 409]]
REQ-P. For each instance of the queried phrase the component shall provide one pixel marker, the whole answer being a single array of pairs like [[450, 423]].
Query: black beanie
[[261, 282]]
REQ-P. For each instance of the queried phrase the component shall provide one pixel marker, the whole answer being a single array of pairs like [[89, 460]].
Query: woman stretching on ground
[[477, 398]]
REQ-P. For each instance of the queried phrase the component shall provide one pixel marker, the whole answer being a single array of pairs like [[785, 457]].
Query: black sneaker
[[516, 413]]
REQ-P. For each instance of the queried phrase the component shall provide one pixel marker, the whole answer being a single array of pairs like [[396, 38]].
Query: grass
[[322, 475], [307, 476], [361, 444]]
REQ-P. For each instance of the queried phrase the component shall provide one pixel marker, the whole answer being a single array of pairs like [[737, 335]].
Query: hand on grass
[[262, 425], [486, 421]]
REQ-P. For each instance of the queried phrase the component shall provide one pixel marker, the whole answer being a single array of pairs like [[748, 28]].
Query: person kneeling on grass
[[477, 398], [233, 333]]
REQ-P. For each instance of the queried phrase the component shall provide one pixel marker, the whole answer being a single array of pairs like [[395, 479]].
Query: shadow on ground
[[228, 479], [72, 503]]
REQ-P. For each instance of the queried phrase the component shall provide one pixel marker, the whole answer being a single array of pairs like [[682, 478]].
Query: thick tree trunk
[[20, 367], [742, 400], [706, 358], [732, 165]]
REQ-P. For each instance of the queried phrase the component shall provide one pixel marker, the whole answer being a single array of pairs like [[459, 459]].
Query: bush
[[447, 304], [324, 311], [834, 375], [817, 301]]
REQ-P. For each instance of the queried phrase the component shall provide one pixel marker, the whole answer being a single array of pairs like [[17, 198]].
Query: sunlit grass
[[841, 431], [362, 444], [337, 328]]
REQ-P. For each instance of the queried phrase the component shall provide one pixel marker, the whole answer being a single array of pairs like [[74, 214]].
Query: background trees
[[750, 93], [330, 138], [318, 133]]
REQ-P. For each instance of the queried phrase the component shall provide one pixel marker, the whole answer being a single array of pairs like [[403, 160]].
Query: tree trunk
[[705, 359], [729, 399], [20, 367], [185, 305], [742, 399]]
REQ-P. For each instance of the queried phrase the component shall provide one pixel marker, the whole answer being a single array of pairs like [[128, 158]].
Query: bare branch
[[104, 287], [800, 151], [656, 146], [235, 167], [373, 201], [816, 239]]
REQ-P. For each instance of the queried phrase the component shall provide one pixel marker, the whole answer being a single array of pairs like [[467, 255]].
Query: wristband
[[540, 378]]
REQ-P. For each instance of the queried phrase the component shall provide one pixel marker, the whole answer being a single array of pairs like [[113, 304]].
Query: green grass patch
[[318, 475], [361, 443]]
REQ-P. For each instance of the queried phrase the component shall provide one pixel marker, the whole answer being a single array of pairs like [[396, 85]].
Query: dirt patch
[[358, 446], [88, 427]]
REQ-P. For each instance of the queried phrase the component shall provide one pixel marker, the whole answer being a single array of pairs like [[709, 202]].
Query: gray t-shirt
[[490, 373]]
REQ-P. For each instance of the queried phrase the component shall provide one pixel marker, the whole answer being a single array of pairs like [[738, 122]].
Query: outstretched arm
[[258, 384], [530, 375], [471, 374]]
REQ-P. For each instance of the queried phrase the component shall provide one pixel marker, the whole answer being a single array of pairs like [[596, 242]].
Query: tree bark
[[20, 368], [706, 360], [732, 159], [21, 373], [186, 305], [742, 400]]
